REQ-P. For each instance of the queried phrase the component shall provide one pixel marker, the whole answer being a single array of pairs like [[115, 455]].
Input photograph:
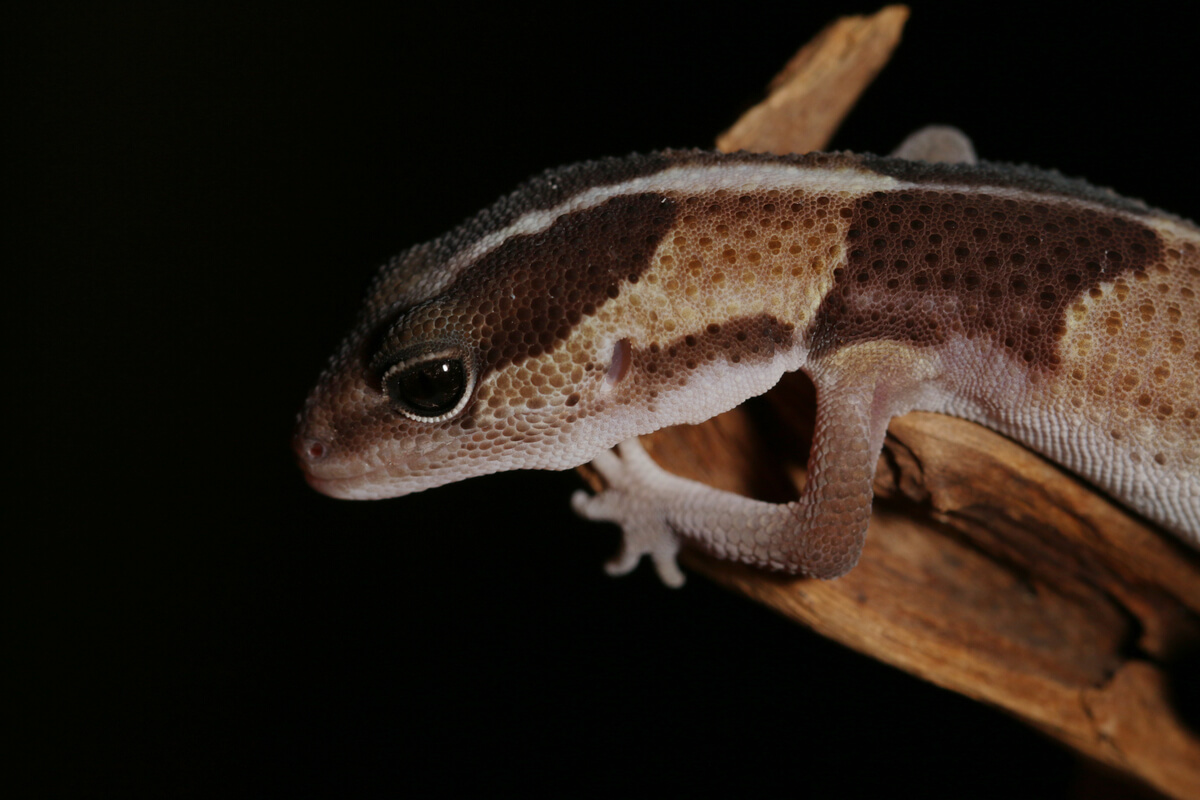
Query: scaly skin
[[609, 299]]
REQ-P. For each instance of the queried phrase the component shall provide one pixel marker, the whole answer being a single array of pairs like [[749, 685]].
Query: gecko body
[[609, 299]]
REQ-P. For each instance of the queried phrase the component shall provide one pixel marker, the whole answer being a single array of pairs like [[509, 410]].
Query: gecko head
[[457, 387]]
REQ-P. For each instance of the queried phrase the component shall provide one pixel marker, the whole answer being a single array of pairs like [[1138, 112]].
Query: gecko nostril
[[310, 450]]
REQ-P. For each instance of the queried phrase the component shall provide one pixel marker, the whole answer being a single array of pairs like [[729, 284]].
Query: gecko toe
[[668, 569]]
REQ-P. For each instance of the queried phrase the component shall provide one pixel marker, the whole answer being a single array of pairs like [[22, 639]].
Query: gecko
[[605, 300]]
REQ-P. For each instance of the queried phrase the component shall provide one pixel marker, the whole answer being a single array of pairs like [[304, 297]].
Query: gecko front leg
[[819, 535], [637, 497]]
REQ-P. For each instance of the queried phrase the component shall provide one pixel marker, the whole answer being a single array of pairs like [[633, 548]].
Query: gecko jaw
[[353, 487], [356, 481]]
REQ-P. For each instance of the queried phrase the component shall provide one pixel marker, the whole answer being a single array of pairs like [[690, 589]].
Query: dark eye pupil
[[431, 388]]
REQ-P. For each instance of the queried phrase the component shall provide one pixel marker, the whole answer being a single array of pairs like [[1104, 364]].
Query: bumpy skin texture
[[609, 299]]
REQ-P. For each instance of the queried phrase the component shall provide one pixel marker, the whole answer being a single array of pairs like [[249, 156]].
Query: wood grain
[[987, 569]]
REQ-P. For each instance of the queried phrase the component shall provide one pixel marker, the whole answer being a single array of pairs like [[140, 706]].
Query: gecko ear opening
[[618, 368]]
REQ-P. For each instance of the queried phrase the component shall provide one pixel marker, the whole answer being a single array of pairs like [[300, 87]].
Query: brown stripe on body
[[548, 190], [746, 340], [523, 298], [657, 370], [924, 265], [405, 280]]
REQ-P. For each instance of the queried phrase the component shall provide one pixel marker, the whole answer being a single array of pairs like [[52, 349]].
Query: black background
[[210, 192]]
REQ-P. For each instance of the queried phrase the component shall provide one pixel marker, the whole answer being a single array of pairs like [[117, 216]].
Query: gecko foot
[[631, 501]]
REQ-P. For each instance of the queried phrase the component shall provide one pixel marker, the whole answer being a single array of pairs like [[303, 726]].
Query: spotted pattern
[[927, 265], [1100, 307], [710, 275], [726, 289], [1131, 362]]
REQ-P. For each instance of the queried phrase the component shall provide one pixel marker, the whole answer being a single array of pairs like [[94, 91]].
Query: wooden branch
[[808, 100], [987, 569]]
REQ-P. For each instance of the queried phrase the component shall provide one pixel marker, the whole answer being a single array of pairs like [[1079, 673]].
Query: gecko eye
[[430, 387]]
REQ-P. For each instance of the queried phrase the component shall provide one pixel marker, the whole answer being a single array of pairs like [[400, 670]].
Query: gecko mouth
[[353, 487], [378, 483], [335, 475]]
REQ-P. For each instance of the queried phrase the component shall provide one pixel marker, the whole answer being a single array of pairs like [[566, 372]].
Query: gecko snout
[[313, 456]]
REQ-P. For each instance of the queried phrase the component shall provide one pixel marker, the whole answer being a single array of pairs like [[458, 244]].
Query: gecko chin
[[376, 484], [350, 488]]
